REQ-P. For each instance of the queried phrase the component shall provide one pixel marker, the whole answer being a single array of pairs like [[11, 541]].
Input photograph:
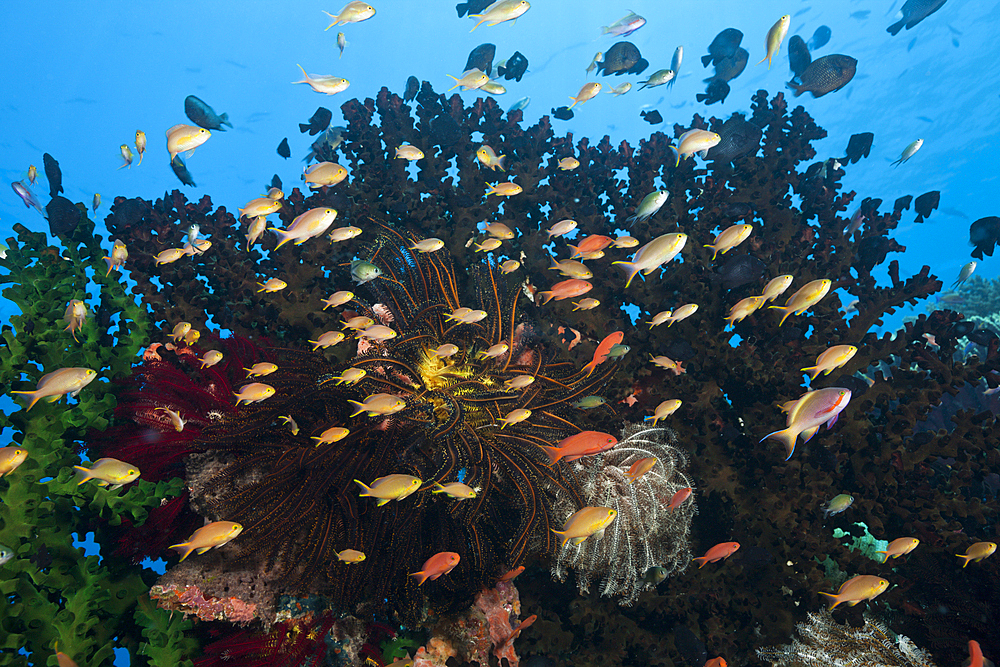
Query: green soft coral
[[56, 592], [867, 544]]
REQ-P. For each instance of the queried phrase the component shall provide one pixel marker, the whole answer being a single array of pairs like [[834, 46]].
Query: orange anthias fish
[[601, 353], [718, 552], [436, 566], [716, 662], [857, 589], [590, 244], [513, 573], [975, 654], [585, 443], [567, 289], [680, 497]]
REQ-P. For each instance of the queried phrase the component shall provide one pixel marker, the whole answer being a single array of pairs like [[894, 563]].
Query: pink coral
[[190, 600]]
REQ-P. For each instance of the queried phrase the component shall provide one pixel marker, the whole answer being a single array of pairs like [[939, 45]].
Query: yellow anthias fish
[[75, 316], [290, 422], [255, 392], [331, 435], [427, 245], [445, 350], [805, 298], [682, 313], [272, 285], [625, 242], [209, 536], [328, 339], [488, 157], [356, 323], [493, 88], [775, 36], [256, 229], [571, 268], [126, 156], [651, 256], [118, 257], [500, 231], [10, 458], [261, 369], [323, 83], [519, 382], [498, 12], [59, 383], [97, 203], [588, 92], [503, 189], [211, 358], [323, 173], [378, 404], [562, 227], [808, 413], [107, 471], [408, 152], [391, 487], [776, 287], [695, 141], [510, 266], [586, 304], [857, 589], [585, 523], [660, 318], [514, 417], [494, 351], [140, 144], [474, 79], [830, 359], [184, 138], [899, 547], [175, 419], [620, 90], [568, 164], [455, 490], [169, 256], [353, 12], [978, 552], [729, 239], [262, 206], [344, 233], [743, 308], [310, 224], [489, 245], [350, 376], [350, 556], [376, 332], [337, 299], [664, 410]]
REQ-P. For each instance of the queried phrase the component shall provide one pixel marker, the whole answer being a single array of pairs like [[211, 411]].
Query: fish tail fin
[[590, 367], [702, 559], [835, 600], [886, 554], [110, 265], [367, 490], [545, 296], [335, 20], [631, 269], [762, 60], [677, 163], [787, 437], [457, 83], [305, 80], [359, 408], [812, 370], [500, 161], [35, 397], [562, 534], [553, 453], [798, 88], [184, 549], [576, 251], [574, 102], [283, 237], [223, 120], [891, 164], [705, 60], [786, 309], [968, 559], [481, 18], [438, 488], [715, 251], [421, 577], [82, 474], [896, 27]]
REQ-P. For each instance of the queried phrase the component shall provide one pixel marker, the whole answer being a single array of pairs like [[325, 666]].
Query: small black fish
[[738, 139], [63, 215], [275, 183], [902, 204], [127, 213], [723, 46], [826, 75], [412, 88], [926, 204], [562, 113], [739, 270], [322, 150], [203, 115], [820, 37], [727, 69], [798, 55], [472, 7], [622, 58], [717, 91], [53, 173], [963, 328], [859, 146], [869, 206], [481, 58], [872, 251], [914, 11], [982, 337], [319, 122], [514, 67], [863, 14], [652, 117], [283, 149], [181, 171]]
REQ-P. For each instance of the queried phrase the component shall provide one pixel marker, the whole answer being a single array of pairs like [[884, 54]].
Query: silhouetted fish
[[914, 11], [798, 55], [902, 204], [53, 173], [859, 146], [275, 183], [562, 113], [319, 122], [652, 117], [825, 75], [717, 91], [982, 337], [283, 149], [63, 215], [481, 58], [926, 204], [723, 46], [127, 213], [739, 270], [203, 115], [514, 67], [739, 138], [472, 7], [730, 67], [872, 251], [412, 88], [322, 150], [181, 171], [820, 37], [622, 58]]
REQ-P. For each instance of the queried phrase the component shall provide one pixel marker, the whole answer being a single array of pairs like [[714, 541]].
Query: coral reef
[[646, 533], [822, 641]]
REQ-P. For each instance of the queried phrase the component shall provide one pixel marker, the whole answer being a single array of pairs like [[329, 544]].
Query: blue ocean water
[[83, 77]]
